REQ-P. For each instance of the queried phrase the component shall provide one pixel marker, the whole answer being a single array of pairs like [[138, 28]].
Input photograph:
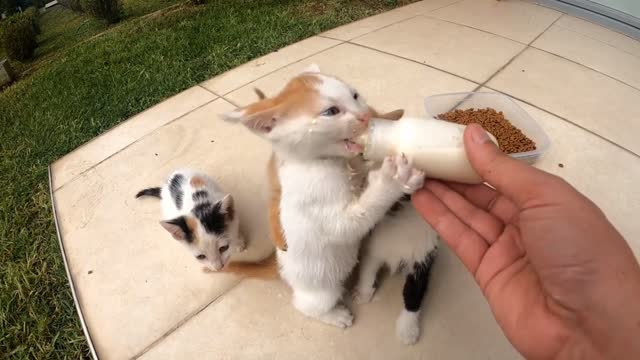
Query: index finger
[[466, 243], [488, 199]]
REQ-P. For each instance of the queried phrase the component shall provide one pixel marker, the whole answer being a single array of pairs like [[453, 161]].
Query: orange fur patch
[[266, 269], [297, 96], [197, 182], [192, 224], [275, 227]]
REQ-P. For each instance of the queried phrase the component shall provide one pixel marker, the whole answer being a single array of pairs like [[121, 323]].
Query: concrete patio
[[142, 296]]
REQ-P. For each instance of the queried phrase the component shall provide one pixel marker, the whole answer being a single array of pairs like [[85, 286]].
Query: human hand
[[560, 280]]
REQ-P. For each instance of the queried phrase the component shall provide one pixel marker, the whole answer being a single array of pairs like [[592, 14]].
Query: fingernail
[[478, 135]]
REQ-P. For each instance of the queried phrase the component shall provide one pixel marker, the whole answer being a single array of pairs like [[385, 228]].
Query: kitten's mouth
[[353, 147]]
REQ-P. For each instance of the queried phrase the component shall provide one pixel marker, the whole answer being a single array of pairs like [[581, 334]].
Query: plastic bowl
[[438, 104]]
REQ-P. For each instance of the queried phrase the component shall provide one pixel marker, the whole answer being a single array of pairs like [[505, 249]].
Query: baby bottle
[[435, 146]]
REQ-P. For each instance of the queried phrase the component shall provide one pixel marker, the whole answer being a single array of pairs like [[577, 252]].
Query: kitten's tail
[[154, 191], [266, 269]]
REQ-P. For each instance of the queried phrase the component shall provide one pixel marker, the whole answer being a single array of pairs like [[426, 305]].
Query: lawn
[[61, 28], [83, 90], [136, 8]]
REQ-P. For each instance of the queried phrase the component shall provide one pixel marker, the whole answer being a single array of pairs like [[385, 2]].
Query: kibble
[[510, 139]]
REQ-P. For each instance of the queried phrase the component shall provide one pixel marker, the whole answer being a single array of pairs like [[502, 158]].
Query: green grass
[[89, 88], [137, 8], [61, 28]]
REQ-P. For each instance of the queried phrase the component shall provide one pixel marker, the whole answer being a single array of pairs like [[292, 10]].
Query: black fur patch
[[399, 205], [182, 223], [154, 191], [211, 217], [416, 284], [200, 195], [175, 189]]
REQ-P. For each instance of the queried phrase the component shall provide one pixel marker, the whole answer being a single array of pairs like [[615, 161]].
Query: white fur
[[402, 238], [324, 223], [169, 210], [408, 327]]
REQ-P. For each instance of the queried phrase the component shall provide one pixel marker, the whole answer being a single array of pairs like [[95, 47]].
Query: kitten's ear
[[392, 115], [178, 228], [226, 205], [260, 117], [312, 68]]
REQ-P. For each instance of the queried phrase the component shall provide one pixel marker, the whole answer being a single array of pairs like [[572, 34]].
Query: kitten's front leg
[[386, 185], [394, 178], [366, 281]]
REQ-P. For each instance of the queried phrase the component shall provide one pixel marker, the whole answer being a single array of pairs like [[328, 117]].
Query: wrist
[[614, 325]]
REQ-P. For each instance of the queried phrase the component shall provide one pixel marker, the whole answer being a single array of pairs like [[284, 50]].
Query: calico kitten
[[199, 214], [405, 243], [309, 124]]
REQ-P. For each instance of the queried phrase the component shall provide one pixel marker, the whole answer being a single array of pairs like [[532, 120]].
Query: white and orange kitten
[[309, 124], [402, 241]]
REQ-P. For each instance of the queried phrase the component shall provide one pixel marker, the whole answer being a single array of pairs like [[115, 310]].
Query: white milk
[[435, 146]]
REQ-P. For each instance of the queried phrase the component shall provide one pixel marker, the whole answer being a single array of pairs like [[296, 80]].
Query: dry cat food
[[510, 139]]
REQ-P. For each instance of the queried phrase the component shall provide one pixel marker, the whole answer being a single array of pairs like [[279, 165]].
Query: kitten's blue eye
[[331, 111], [201, 257], [223, 248]]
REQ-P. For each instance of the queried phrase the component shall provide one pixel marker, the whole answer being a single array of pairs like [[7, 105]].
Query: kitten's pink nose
[[365, 118]]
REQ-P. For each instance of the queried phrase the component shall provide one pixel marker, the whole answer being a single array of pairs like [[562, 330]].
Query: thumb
[[516, 180]]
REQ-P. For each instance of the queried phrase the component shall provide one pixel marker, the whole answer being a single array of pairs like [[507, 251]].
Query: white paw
[[408, 327], [241, 247], [363, 296], [240, 244], [409, 178], [400, 170], [388, 168], [339, 316]]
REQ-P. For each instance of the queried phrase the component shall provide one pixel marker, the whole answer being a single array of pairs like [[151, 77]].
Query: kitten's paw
[[409, 178], [241, 247], [386, 172], [339, 316], [240, 244], [363, 296], [408, 327], [388, 168]]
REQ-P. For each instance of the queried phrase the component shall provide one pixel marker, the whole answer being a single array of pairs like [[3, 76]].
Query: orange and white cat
[[310, 124]]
